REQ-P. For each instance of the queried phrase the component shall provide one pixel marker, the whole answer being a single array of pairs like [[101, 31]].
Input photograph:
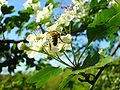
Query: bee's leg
[[61, 40]]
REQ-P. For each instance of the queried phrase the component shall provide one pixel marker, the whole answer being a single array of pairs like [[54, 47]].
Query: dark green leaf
[[7, 10], [43, 75], [105, 24], [49, 1], [56, 4], [65, 81], [115, 20], [32, 26], [91, 60]]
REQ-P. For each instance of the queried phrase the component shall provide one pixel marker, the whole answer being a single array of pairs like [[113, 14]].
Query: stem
[[70, 29], [82, 53], [68, 59], [74, 61], [65, 30], [42, 30], [117, 2], [13, 41], [57, 59], [63, 61]]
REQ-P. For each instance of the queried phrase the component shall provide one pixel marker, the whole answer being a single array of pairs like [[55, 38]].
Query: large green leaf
[[106, 60], [102, 61], [96, 5], [105, 24], [91, 60], [43, 75], [115, 20], [65, 81]]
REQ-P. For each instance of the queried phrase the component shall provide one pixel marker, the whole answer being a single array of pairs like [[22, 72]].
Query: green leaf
[[115, 20], [106, 60], [35, 1], [43, 75], [56, 4], [32, 26], [65, 81], [105, 24], [91, 60], [49, 1], [7, 10], [95, 6]]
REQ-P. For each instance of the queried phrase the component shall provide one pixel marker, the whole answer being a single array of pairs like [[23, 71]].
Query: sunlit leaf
[[65, 81], [43, 75], [105, 24]]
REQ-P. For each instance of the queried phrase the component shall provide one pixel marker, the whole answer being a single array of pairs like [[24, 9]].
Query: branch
[[97, 76], [13, 41], [102, 68]]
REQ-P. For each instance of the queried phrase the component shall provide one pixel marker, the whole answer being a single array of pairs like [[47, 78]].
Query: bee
[[55, 35]]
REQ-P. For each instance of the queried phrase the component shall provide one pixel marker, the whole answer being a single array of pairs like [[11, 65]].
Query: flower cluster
[[43, 43], [40, 14], [29, 4], [53, 41], [45, 13]]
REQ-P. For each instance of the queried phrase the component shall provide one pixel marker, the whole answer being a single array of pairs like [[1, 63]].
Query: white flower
[[36, 41], [34, 6], [45, 13], [65, 19], [3, 2], [54, 27], [43, 43], [31, 53], [67, 38], [67, 47], [22, 46]]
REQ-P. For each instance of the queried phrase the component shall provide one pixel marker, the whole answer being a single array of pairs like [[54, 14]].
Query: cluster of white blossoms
[[45, 13], [40, 14], [3, 2], [43, 43], [51, 42], [75, 12], [30, 4]]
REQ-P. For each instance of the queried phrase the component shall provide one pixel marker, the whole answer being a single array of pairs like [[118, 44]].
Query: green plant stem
[[117, 2], [70, 29], [57, 59], [65, 30], [68, 59], [74, 61], [82, 53], [61, 61]]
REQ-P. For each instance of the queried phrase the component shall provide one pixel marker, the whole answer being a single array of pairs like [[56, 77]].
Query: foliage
[[58, 38]]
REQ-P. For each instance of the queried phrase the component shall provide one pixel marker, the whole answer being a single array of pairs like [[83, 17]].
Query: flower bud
[[22, 46]]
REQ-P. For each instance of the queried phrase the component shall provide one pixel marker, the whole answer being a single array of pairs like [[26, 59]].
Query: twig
[[102, 68], [68, 59], [13, 41], [97, 76]]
